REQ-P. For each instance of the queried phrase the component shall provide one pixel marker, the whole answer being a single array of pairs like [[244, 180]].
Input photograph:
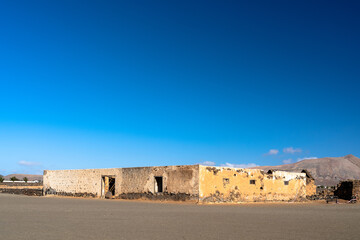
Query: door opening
[[108, 186], [158, 184]]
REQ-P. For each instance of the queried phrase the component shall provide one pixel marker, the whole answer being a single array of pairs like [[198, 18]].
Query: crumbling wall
[[220, 184], [30, 189], [85, 182], [179, 183], [23, 191], [347, 189], [310, 187], [356, 188], [310, 184], [285, 186], [193, 182], [20, 184]]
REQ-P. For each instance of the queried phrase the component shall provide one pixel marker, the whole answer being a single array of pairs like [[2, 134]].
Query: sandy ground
[[41, 218]]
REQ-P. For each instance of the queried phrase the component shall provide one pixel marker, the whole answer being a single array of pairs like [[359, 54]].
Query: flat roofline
[[257, 169], [230, 167], [217, 167], [121, 168]]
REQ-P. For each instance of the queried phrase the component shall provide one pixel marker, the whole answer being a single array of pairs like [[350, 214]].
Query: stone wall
[[310, 187], [347, 189], [22, 191], [310, 184], [20, 184], [87, 182], [219, 184], [193, 182], [179, 182], [30, 189]]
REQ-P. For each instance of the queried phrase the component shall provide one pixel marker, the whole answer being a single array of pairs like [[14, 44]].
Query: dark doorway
[[112, 185], [158, 184], [345, 190]]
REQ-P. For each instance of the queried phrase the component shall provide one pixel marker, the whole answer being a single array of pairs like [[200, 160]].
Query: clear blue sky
[[99, 84]]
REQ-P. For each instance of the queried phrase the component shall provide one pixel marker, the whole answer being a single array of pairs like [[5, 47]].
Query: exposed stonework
[[179, 182], [348, 189], [30, 189], [23, 191], [310, 184], [186, 183], [18, 184], [219, 184], [161, 197], [72, 182]]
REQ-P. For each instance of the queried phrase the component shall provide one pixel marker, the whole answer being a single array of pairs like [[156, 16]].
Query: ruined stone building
[[189, 182], [347, 189]]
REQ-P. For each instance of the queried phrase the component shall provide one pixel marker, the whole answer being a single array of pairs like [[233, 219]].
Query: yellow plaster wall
[[221, 184], [310, 187]]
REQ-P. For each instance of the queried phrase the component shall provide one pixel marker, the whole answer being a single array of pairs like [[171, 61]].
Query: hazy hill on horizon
[[30, 177], [327, 171]]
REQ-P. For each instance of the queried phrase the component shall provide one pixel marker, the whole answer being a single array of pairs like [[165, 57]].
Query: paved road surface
[[45, 218]]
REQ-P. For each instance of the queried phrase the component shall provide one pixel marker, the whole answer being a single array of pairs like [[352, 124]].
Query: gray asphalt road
[[43, 218]]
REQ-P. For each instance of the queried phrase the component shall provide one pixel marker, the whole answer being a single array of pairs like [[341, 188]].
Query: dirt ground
[[45, 218]]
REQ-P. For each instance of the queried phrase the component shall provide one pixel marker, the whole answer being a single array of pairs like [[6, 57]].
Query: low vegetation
[[14, 179]]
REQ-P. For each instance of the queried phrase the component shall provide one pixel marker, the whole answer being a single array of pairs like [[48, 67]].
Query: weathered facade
[[170, 182], [190, 182], [310, 184], [219, 184]]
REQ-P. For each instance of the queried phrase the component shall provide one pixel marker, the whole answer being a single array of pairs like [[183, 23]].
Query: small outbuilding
[[348, 189]]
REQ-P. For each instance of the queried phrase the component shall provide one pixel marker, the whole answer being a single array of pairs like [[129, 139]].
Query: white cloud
[[27, 163], [300, 159], [272, 152], [207, 163], [287, 161], [292, 150], [245, 165]]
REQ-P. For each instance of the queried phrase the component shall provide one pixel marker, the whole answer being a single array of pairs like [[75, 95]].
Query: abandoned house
[[188, 182], [347, 189]]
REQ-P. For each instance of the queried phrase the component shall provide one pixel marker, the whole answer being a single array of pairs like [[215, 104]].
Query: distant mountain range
[[30, 177], [326, 171]]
